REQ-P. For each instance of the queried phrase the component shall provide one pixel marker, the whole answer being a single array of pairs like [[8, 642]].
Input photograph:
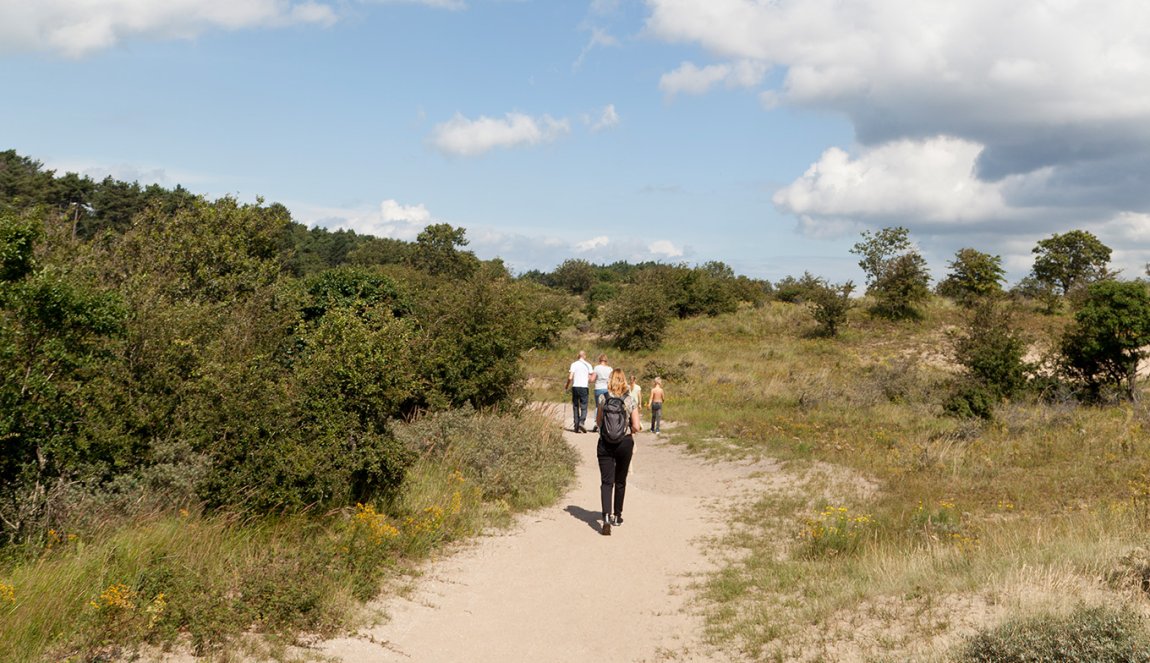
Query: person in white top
[[602, 376], [637, 395], [577, 381]]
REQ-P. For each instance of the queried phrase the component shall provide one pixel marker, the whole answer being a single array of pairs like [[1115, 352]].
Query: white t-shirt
[[602, 376], [580, 371]]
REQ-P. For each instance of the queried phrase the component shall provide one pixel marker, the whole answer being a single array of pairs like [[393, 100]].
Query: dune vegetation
[[903, 531]]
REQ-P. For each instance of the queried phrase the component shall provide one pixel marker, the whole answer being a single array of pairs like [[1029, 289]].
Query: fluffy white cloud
[[1042, 106], [607, 119], [78, 27], [665, 248], [930, 181], [391, 219], [692, 79], [461, 136], [592, 244], [1037, 82]]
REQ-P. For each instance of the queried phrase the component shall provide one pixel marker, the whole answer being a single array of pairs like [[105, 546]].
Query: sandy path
[[550, 588]]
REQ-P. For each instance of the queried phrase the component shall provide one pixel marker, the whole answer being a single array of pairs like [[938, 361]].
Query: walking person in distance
[[655, 402], [617, 417], [578, 378]]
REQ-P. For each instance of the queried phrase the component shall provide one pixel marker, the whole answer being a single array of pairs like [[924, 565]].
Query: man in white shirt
[[577, 382]]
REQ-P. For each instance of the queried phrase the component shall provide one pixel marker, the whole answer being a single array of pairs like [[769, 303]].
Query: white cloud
[[608, 119], [930, 182], [592, 244], [460, 136], [440, 4], [692, 79], [390, 219], [599, 38], [1037, 82], [75, 28], [665, 248]]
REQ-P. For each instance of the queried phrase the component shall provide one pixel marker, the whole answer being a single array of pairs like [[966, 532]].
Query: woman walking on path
[[655, 402], [602, 373], [617, 417]]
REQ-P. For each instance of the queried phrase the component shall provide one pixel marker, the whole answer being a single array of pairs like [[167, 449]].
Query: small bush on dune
[[1088, 635]]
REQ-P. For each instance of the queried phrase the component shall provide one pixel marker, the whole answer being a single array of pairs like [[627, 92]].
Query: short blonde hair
[[617, 385]]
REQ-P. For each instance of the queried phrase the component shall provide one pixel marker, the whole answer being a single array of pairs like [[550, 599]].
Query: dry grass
[[972, 523]]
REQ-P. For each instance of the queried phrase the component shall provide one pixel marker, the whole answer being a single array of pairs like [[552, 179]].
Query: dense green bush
[[1104, 345], [1088, 635], [830, 305], [637, 319], [56, 334], [992, 350], [974, 276]]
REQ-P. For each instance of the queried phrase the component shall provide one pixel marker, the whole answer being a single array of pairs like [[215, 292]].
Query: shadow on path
[[589, 517]]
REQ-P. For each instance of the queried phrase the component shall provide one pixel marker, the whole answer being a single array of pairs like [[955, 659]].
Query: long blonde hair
[[617, 384]]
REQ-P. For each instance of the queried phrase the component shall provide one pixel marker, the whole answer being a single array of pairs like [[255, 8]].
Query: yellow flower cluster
[[155, 609], [430, 521], [374, 523], [835, 530], [118, 597], [55, 538], [7, 593]]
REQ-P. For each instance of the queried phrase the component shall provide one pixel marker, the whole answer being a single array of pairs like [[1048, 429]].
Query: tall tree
[[1070, 260], [974, 275], [1108, 337], [897, 275], [437, 252]]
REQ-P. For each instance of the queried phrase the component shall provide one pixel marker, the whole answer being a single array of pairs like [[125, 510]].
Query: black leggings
[[614, 462]]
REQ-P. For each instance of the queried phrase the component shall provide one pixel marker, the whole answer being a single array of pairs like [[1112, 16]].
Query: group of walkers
[[617, 407]]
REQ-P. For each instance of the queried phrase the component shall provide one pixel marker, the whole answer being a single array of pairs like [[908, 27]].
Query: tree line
[[154, 342]]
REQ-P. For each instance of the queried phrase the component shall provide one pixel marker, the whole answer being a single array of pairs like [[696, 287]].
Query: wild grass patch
[[206, 582], [971, 522]]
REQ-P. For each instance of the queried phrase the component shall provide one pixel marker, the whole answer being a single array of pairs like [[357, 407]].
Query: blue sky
[[766, 134]]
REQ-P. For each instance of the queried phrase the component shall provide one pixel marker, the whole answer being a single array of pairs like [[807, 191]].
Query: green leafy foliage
[[897, 275], [830, 305], [902, 288], [1104, 345], [798, 290], [637, 319], [1072, 259], [55, 333], [974, 275], [436, 252]]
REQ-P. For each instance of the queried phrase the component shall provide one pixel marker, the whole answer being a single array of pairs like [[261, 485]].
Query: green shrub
[[1088, 635], [637, 319], [1104, 345], [830, 305], [521, 459], [970, 401], [991, 350]]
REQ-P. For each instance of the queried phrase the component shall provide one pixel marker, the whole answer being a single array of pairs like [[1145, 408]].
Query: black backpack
[[616, 421]]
